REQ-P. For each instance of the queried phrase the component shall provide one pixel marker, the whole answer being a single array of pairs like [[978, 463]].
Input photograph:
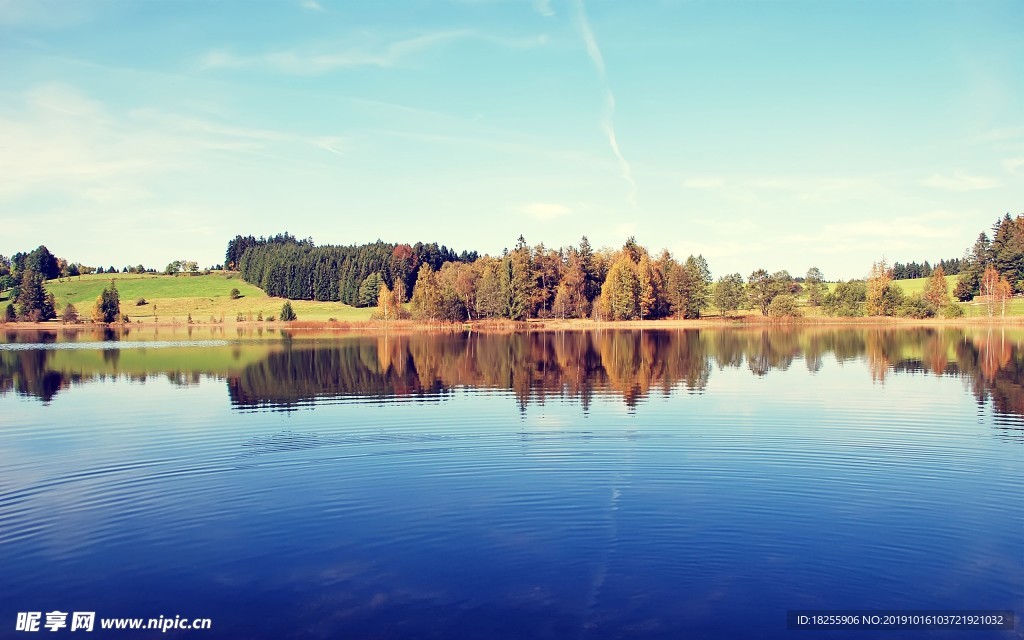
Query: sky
[[781, 135]]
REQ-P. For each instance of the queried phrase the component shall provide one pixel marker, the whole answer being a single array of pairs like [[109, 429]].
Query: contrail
[[608, 119]]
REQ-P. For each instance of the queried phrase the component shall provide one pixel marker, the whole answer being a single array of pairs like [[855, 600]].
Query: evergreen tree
[[490, 301], [728, 294], [287, 313], [107, 308], [369, 289]]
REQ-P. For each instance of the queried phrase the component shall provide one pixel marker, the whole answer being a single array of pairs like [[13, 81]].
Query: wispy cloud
[[57, 139], [307, 62], [608, 119], [703, 183], [959, 182], [545, 210], [543, 7], [311, 5], [1004, 134], [1013, 165]]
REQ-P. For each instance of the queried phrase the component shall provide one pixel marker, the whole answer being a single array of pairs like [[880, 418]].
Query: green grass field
[[917, 285], [170, 298]]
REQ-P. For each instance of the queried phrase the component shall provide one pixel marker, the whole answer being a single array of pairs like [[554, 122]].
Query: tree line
[[912, 270], [994, 268], [580, 282], [286, 267]]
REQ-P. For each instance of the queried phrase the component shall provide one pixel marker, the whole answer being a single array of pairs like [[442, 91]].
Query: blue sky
[[774, 134]]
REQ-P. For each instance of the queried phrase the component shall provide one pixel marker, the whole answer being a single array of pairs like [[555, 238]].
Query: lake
[[604, 484]]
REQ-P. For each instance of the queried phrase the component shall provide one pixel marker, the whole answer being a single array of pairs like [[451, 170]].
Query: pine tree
[[287, 313]]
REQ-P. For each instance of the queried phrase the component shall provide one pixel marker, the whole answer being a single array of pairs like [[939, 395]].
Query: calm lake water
[[615, 484]]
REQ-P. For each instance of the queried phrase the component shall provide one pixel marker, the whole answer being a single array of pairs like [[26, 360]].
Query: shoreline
[[510, 326]]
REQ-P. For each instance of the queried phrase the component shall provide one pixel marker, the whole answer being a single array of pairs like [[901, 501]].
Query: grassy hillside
[[917, 285], [174, 298]]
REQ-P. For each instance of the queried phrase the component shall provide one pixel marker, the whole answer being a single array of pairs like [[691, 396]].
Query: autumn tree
[[937, 290], [571, 296], [989, 286], [883, 297], [69, 315], [1004, 291], [426, 295], [645, 287], [388, 306], [621, 290], [490, 297]]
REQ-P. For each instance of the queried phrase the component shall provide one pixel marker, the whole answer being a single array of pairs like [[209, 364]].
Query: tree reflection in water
[[578, 365]]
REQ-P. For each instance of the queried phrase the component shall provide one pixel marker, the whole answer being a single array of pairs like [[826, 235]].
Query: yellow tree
[[645, 285], [989, 286], [937, 290], [1004, 291], [878, 282], [387, 304]]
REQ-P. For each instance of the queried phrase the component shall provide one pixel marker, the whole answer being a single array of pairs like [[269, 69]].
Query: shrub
[[9, 314], [70, 314], [847, 299], [287, 313], [784, 306], [271, 319], [952, 310], [240, 317], [140, 302], [259, 316], [915, 306], [235, 294]]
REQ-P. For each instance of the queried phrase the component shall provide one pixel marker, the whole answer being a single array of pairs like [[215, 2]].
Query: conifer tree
[[287, 313]]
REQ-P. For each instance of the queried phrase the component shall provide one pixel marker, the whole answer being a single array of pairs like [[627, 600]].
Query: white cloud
[[1006, 134], [959, 182], [703, 183], [309, 62], [545, 210], [57, 140], [1013, 165], [543, 7], [311, 5]]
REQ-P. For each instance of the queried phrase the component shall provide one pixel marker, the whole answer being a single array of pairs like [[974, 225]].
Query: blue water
[[645, 507]]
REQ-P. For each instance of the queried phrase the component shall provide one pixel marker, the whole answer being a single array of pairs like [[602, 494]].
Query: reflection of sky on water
[[541, 508]]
